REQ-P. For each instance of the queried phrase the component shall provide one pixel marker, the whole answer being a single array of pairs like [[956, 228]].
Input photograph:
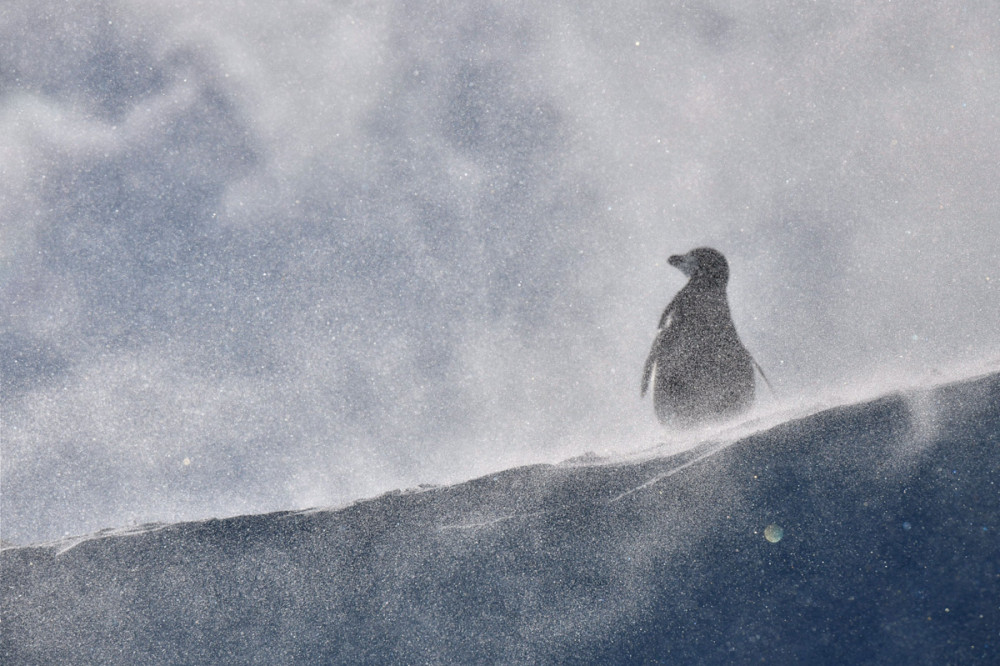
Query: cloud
[[383, 245]]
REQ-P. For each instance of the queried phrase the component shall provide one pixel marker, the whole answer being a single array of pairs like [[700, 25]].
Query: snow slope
[[890, 513]]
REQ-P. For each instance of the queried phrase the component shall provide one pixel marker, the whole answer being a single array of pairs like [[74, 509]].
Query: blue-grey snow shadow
[[890, 554]]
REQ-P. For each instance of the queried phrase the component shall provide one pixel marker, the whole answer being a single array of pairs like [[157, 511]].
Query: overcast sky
[[278, 256]]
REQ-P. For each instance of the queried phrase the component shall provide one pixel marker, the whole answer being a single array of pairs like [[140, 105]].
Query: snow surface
[[863, 534]]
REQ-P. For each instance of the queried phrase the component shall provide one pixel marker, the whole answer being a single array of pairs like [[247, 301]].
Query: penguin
[[700, 370]]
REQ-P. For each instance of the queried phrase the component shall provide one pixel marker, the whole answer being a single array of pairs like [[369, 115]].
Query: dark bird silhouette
[[700, 370]]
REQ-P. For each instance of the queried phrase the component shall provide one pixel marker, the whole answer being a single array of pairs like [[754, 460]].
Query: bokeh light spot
[[773, 533]]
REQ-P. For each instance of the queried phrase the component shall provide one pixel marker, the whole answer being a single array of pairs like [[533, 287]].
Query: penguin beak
[[684, 263]]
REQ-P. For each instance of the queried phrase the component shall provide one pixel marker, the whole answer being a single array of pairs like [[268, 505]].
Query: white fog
[[261, 257]]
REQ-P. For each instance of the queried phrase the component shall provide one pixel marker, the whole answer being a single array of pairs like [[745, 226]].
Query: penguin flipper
[[647, 371]]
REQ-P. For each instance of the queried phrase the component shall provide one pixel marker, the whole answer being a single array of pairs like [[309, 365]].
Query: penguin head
[[702, 264]]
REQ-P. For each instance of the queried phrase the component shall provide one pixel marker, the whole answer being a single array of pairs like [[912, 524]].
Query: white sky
[[323, 250]]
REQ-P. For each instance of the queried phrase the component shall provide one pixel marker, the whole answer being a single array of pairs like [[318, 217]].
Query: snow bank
[[862, 534]]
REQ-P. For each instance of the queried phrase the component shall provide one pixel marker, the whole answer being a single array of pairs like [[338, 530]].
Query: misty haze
[[323, 326], [275, 257]]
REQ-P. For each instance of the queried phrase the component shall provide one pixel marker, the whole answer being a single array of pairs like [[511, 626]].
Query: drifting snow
[[866, 533]]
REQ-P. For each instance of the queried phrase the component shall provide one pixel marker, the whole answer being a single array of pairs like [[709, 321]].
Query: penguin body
[[699, 368]]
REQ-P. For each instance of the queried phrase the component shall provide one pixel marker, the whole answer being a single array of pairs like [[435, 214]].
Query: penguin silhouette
[[700, 370]]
